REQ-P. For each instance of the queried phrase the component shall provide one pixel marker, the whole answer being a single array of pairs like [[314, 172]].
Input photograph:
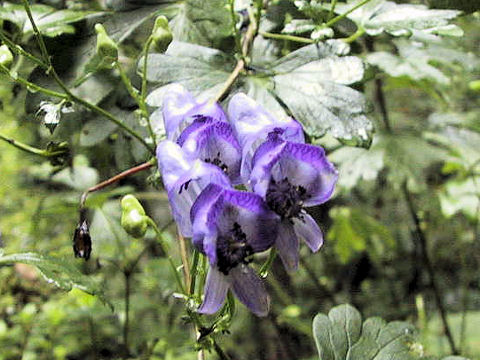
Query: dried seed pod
[[82, 243]]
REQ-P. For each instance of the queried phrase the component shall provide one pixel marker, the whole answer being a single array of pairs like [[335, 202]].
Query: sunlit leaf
[[379, 16], [57, 271]]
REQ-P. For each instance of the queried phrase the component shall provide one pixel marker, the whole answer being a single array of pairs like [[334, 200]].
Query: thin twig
[[294, 38], [115, 178], [239, 67], [340, 17], [430, 269], [126, 324], [31, 149], [68, 94]]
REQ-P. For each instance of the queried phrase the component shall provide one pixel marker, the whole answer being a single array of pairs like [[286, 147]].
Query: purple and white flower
[[229, 226], [291, 176], [184, 179], [252, 124], [214, 142], [180, 110]]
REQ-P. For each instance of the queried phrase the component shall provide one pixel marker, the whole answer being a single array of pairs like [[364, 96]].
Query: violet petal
[[250, 290], [216, 288], [309, 231], [287, 246]]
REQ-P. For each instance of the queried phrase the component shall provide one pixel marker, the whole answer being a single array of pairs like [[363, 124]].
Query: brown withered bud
[[82, 243]]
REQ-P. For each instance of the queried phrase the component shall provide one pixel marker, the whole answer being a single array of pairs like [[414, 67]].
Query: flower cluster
[[206, 155]]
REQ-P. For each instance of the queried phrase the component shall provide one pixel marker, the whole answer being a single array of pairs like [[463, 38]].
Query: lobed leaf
[[378, 16]]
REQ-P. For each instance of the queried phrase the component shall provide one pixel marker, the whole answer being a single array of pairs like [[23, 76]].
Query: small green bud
[[134, 220], [161, 34], [474, 85], [6, 57], [107, 49]]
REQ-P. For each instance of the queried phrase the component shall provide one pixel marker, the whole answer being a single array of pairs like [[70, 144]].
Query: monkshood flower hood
[[252, 124], [229, 226], [184, 179], [291, 176], [180, 109]]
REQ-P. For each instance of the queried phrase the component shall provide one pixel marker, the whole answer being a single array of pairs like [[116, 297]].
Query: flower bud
[[82, 243], [134, 220], [107, 49], [6, 57], [161, 34]]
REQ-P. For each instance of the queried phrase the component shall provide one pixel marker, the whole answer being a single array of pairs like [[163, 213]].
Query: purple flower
[[214, 142], [252, 124], [229, 226], [291, 176], [184, 179], [180, 109]]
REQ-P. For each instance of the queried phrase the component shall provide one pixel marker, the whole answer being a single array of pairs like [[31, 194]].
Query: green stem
[[287, 37], [236, 33], [113, 119], [164, 247], [266, 266], [68, 94], [31, 86], [194, 271], [340, 17], [126, 324], [421, 237], [332, 9], [28, 148], [360, 31], [19, 50], [143, 93]]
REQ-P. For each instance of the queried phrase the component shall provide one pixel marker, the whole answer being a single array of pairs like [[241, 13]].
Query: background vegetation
[[401, 232]]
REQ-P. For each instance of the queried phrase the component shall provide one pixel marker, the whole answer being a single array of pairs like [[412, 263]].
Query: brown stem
[[247, 42], [421, 237], [114, 179]]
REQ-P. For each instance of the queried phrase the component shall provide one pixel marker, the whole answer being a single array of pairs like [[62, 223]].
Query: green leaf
[[355, 164], [353, 231], [202, 22], [199, 69], [95, 131], [461, 196], [57, 271], [50, 21], [342, 336], [416, 68], [80, 177], [311, 83], [379, 16], [336, 333]]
